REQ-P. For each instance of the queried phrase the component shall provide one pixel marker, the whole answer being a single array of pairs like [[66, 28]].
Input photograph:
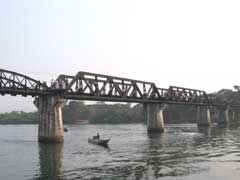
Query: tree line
[[77, 111]]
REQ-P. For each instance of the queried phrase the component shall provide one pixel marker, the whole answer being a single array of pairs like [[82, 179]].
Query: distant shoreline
[[100, 113]]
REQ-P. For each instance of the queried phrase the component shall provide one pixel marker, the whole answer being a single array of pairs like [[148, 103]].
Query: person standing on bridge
[[52, 83], [63, 84], [56, 85]]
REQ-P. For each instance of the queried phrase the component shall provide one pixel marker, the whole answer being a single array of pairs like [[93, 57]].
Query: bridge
[[97, 87]]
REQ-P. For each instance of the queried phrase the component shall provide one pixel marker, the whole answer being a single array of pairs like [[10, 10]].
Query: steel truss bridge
[[98, 87]]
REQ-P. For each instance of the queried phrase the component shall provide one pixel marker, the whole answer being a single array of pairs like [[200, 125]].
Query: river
[[183, 152]]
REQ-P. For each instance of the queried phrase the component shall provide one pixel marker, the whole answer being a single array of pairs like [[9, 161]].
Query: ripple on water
[[132, 154]]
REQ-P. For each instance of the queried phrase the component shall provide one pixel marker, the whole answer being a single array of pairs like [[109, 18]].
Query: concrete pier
[[223, 117], [233, 115], [155, 120], [50, 118], [203, 116], [236, 115]]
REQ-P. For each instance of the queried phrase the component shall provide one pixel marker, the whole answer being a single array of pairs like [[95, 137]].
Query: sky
[[187, 43]]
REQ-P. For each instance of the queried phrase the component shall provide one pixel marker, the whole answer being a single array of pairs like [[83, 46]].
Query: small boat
[[102, 142], [65, 129]]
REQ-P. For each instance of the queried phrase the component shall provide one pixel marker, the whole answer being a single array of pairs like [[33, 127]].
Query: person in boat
[[96, 137]]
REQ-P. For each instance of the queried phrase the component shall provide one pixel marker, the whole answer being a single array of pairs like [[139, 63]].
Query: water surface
[[182, 152]]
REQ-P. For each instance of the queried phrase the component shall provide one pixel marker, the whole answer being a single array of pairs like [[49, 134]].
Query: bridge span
[[97, 87]]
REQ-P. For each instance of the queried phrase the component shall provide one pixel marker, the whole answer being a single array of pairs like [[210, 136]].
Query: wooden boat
[[99, 141]]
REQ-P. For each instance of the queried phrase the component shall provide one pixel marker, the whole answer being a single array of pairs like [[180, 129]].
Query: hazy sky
[[188, 43]]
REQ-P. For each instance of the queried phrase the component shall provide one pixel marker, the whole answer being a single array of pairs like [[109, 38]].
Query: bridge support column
[[155, 117], [232, 115], [50, 127], [236, 115], [214, 114], [223, 115], [203, 116]]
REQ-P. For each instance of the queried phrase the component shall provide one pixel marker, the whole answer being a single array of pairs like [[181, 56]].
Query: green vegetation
[[115, 114], [102, 113], [76, 111], [16, 117], [226, 96]]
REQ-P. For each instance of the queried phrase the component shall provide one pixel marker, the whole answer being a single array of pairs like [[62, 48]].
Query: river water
[[183, 152]]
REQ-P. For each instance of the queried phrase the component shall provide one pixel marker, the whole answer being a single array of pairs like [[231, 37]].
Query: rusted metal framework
[[98, 87], [14, 83], [181, 94], [90, 86]]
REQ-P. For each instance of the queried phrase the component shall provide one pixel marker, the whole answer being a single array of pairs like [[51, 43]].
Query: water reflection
[[172, 155], [205, 130], [181, 151], [180, 154], [215, 131], [50, 161]]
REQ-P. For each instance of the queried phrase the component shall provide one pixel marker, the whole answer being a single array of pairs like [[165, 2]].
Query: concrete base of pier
[[50, 118], [203, 116], [234, 115], [223, 115], [155, 120]]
